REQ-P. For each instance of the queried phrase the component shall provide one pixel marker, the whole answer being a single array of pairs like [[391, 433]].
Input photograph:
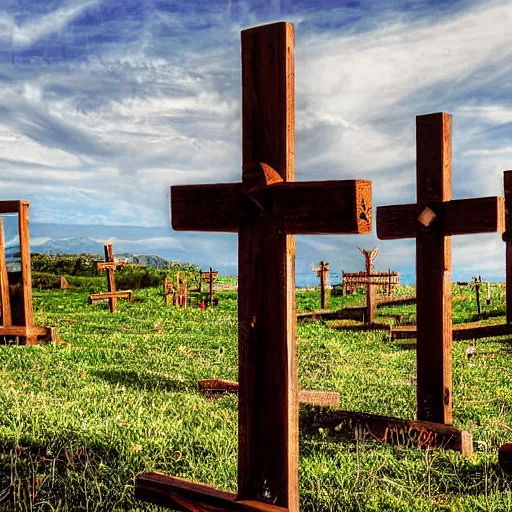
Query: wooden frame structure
[[110, 266], [209, 277], [265, 209], [16, 299], [432, 221], [176, 292]]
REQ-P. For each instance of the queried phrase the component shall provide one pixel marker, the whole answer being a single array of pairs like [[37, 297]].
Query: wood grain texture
[[122, 294], [11, 206], [109, 265], [26, 271], [455, 217], [268, 407], [218, 386], [4, 282], [350, 425], [183, 495], [507, 237], [433, 273]]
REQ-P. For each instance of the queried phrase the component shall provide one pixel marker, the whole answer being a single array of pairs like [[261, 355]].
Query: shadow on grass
[[143, 380]]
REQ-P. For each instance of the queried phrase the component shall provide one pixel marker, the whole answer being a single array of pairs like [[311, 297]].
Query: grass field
[[79, 422]]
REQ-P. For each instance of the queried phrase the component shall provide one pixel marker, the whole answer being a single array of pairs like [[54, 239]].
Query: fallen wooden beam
[[360, 426], [179, 494], [400, 301], [125, 294], [463, 332], [40, 333], [217, 386], [505, 458]]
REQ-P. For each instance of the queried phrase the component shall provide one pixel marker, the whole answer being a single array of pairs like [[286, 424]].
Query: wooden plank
[[26, 272], [4, 282], [180, 494], [111, 280], [218, 386], [268, 439], [459, 332], [124, 294], [212, 207], [507, 237], [350, 425], [109, 265], [456, 217], [324, 207], [505, 458], [7, 207], [433, 273]]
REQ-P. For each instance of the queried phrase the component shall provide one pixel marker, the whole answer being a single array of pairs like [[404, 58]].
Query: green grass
[[79, 422]]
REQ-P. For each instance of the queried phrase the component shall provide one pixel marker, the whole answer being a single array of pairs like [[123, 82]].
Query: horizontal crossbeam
[[7, 207], [455, 217], [323, 398], [322, 207], [109, 265], [180, 494], [124, 294]]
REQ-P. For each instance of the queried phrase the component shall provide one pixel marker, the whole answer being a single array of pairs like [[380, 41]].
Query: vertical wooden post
[[26, 272], [268, 407], [211, 287], [507, 237], [111, 281], [389, 282], [433, 272], [4, 282]]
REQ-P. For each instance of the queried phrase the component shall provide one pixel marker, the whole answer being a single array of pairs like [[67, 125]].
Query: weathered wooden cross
[[16, 296], [110, 265], [209, 278], [476, 282], [265, 209], [322, 272], [432, 221]]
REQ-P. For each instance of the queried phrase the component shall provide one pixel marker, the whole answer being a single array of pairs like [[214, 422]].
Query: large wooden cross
[[110, 265], [432, 221], [265, 209]]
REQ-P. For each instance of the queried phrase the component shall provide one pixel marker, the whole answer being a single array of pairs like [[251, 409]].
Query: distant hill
[[149, 260]]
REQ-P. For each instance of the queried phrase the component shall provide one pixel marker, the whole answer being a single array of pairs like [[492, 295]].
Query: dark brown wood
[[217, 386], [266, 209], [11, 206], [505, 457], [476, 282], [507, 237], [179, 494], [459, 332], [211, 287], [456, 217], [433, 273], [362, 427], [4, 282], [322, 272]]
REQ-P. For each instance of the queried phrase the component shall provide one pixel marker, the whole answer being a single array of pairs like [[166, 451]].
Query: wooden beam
[[505, 458], [360, 426], [455, 217], [459, 331], [212, 207], [26, 272], [218, 386], [124, 294], [433, 273], [4, 282], [109, 265], [268, 438], [7, 207], [507, 238], [180, 494]]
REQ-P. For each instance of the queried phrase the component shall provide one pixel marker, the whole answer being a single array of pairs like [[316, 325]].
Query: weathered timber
[[358, 426], [4, 282], [459, 331], [217, 386], [179, 494], [266, 209], [433, 256], [322, 271], [458, 217], [123, 294], [109, 265], [64, 285], [507, 238], [505, 458], [346, 202]]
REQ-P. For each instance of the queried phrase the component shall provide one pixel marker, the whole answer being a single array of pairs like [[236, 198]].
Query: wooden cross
[[209, 278], [321, 271], [432, 221], [264, 209], [476, 282], [110, 265], [507, 238]]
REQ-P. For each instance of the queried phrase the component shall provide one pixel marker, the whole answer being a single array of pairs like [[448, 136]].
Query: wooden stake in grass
[[432, 221], [476, 283], [266, 208], [322, 272], [110, 266]]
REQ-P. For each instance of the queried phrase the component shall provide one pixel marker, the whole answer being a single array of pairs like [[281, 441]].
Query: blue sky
[[105, 104]]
